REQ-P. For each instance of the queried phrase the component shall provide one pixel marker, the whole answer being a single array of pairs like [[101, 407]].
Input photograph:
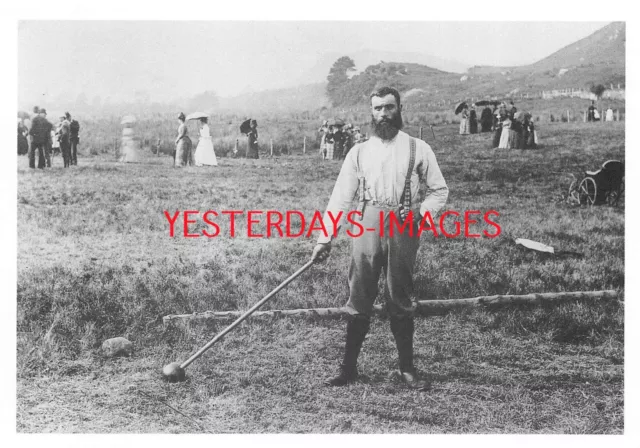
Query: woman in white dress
[[504, 137], [609, 115], [129, 144], [464, 121], [205, 154]]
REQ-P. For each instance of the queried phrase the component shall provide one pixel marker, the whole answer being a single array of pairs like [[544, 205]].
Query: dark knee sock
[[357, 329], [402, 328]]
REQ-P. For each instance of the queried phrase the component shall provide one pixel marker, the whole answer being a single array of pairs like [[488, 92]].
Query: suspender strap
[[405, 199], [361, 186]]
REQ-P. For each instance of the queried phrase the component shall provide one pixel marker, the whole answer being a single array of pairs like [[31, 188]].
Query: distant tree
[[338, 78], [598, 90]]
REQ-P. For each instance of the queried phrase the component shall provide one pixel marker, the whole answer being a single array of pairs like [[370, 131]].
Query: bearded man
[[376, 170]]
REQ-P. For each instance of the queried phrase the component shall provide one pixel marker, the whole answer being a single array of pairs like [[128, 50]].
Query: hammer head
[[173, 373]]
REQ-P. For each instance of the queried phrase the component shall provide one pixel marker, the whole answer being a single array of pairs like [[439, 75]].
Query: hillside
[[301, 98], [596, 59], [604, 47], [367, 57]]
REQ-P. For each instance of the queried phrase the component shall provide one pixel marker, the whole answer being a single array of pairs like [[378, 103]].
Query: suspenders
[[361, 186], [405, 199]]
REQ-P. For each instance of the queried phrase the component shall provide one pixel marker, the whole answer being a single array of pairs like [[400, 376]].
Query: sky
[[178, 59]]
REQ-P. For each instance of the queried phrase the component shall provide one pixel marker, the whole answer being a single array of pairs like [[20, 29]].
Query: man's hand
[[320, 252], [404, 213]]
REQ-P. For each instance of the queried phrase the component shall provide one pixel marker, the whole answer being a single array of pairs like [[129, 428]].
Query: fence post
[[115, 147], [617, 114], [420, 132], [304, 145], [271, 143], [235, 149], [584, 116], [158, 148]]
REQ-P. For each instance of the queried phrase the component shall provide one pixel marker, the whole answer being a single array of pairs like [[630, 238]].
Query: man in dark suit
[[253, 140], [74, 138], [591, 115], [40, 133]]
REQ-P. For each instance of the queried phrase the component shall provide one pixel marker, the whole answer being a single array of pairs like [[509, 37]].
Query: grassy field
[[95, 260]]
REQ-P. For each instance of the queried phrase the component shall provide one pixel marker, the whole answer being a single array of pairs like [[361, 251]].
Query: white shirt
[[384, 165], [204, 132]]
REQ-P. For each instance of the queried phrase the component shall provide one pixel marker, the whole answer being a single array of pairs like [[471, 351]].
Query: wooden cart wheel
[[573, 196], [614, 197], [587, 191]]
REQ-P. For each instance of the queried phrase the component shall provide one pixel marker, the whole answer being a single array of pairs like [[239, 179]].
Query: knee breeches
[[373, 254]]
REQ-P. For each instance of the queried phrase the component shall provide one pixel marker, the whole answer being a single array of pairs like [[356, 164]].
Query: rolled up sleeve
[[437, 190], [342, 196]]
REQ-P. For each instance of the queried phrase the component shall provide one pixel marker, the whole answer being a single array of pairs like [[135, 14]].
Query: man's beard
[[387, 129]]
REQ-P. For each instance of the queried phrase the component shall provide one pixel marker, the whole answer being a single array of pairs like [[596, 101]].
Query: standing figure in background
[[40, 133], [348, 139], [473, 120], [54, 137], [358, 137], [486, 120], [497, 130], [504, 136], [525, 130], [28, 122], [324, 129], [609, 115], [530, 133], [464, 121], [129, 145], [338, 143], [64, 137], [183, 143], [74, 138], [205, 155], [329, 143], [499, 116], [23, 143], [512, 110], [591, 112], [253, 152], [516, 140]]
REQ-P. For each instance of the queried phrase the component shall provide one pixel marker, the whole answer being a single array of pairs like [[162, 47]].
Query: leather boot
[[403, 329], [357, 329]]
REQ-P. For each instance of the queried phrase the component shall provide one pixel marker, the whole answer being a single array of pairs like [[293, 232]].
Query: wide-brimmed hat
[[42, 111], [181, 116]]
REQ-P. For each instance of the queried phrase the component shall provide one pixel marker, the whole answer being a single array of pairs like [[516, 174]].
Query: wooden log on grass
[[424, 306]]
